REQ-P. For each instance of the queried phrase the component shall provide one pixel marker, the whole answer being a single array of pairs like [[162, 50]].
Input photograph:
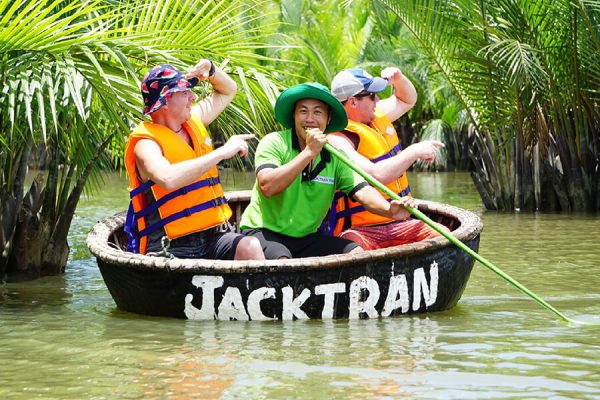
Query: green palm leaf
[[70, 72]]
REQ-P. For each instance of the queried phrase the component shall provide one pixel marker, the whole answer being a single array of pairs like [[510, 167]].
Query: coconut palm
[[70, 73], [320, 38], [316, 39], [437, 115], [526, 72]]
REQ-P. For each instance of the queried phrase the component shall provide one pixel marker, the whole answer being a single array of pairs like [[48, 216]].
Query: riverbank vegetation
[[70, 73], [511, 86], [526, 73]]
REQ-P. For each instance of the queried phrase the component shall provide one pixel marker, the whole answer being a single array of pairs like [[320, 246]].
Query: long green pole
[[344, 158]]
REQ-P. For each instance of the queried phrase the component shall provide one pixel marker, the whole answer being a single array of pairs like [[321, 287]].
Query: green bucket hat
[[284, 106]]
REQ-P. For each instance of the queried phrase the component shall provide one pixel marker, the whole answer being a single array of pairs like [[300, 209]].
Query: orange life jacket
[[378, 141], [192, 208]]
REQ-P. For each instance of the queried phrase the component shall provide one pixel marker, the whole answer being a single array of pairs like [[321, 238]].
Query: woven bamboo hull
[[422, 277]]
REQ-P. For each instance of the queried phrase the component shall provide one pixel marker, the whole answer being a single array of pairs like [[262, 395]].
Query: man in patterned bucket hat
[[160, 83], [177, 206]]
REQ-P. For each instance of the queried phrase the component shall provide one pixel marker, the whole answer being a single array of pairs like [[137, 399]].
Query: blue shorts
[[210, 244]]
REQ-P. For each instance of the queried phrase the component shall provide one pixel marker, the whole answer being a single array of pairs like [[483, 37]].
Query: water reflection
[[46, 292], [262, 359], [62, 337]]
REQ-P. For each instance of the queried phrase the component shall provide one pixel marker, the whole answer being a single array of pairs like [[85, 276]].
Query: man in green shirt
[[296, 179]]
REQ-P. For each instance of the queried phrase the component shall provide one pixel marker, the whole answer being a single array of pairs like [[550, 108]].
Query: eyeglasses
[[366, 94]]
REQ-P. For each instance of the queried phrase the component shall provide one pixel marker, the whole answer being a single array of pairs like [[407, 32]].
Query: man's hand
[[223, 91], [315, 140], [425, 150], [392, 74], [236, 145], [404, 95], [398, 209], [200, 70]]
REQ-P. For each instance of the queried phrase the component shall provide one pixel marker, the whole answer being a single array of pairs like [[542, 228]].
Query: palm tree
[[437, 115], [320, 38], [70, 73], [316, 39], [526, 72]]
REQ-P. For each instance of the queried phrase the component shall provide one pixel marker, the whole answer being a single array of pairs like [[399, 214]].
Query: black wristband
[[212, 70]]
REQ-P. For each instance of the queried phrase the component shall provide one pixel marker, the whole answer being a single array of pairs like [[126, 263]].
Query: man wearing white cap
[[373, 144]]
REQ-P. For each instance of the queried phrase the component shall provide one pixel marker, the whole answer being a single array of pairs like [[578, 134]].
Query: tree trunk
[[8, 219], [11, 204], [40, 245], [55, 258], [28, 239]]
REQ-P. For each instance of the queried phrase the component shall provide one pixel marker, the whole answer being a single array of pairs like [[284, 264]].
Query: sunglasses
[[366, 94]]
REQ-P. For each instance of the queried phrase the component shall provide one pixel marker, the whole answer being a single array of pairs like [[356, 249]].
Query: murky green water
[[62, 337]]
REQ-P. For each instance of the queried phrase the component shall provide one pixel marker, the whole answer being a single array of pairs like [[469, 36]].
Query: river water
[[63, 337]]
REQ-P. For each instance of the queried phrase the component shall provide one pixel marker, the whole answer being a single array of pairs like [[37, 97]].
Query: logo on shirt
[[208, 141], [389, 130], [324, 179]]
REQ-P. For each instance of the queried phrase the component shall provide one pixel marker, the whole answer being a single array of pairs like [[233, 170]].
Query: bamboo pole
[[420, 215]]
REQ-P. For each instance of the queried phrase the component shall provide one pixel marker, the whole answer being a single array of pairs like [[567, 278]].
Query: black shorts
[[211, 244], [276, 245]]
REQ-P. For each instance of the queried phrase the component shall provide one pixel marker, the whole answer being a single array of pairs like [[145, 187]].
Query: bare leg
[[249, 248]]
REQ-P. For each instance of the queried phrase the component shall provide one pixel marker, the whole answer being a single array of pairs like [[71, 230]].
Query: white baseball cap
[[353, 81]]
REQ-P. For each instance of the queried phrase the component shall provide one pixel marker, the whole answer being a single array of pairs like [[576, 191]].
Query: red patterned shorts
[[392, 234]]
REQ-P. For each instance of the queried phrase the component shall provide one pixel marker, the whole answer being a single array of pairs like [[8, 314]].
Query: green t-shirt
[[300, 208]]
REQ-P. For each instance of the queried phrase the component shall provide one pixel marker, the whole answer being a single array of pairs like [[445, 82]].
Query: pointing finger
[[246, 136]]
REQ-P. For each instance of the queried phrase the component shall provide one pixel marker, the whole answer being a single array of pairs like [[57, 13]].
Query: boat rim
[[98, 243]]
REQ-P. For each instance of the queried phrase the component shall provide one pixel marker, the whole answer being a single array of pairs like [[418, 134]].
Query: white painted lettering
[[357, 305], [208, 284], [329, 290], [254, 300], [232, 306], [397, 296], [291, 305], [429, 291], [363, 296]]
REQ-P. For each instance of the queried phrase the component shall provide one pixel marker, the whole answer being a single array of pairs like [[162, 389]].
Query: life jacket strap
[[335, 216], [141, 189], [395, 150], [328, 224], [176, 193], [182, 214], [131, 226]]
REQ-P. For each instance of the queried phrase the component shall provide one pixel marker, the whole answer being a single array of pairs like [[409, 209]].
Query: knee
[[249, 248], [357, 249], [355, 237]]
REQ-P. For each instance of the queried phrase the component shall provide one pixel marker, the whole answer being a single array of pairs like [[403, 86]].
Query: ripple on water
[[63, 337]]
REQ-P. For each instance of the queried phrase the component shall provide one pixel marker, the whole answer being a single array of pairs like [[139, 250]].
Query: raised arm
[[224, 89], [152, 165], [403, 98]]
